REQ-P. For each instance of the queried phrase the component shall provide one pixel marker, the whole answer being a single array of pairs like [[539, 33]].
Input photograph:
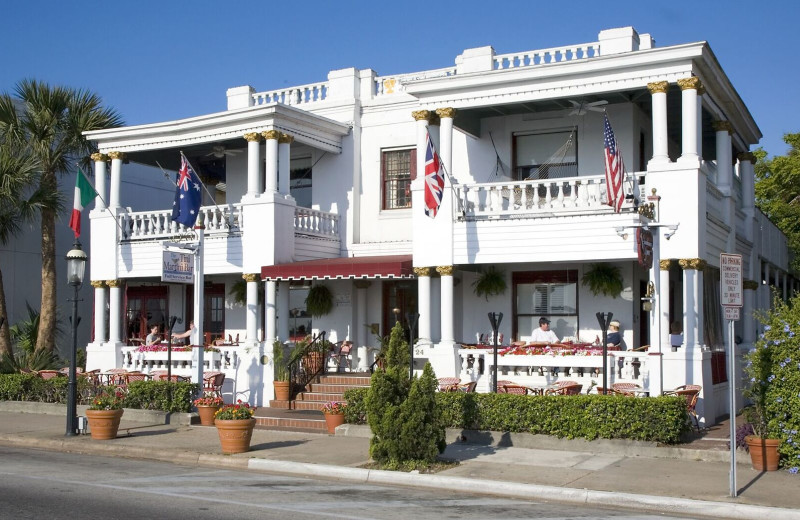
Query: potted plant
[[235, 425], [281, 372], [334, 414], [490, 282], [207, 406], [104, 413], [603, 278], [319, 300]]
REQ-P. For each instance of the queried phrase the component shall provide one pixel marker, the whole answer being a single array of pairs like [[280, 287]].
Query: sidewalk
[[634, 475]]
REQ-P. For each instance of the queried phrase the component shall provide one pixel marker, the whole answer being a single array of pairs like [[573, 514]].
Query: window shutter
[[413, 166]]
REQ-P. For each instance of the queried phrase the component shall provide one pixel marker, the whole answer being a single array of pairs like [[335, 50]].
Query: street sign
[[731, 313], [730, 280]]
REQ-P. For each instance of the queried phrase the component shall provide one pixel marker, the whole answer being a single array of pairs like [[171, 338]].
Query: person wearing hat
[[613, 338], [543, 334]]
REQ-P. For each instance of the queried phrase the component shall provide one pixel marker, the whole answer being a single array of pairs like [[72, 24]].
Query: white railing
[[539, 370], [386, 85], [546, 56], [511, 198], [302, 95], [149, 225], [314, 222]]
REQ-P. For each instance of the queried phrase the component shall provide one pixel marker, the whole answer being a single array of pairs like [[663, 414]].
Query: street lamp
[[495, 318], [413, 318], [76, 265]]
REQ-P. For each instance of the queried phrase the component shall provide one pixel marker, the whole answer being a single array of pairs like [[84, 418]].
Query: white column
[[253, 161], [271, 185], [723, 131], [116, 178], [283, 310], [666, 301], [658, 91], [446, 116], [446, 277], [362, 336], [785, 286], [251, 308], [114, 310], [748, 321], [424, 302], [701, 90], [766, 291], [100, 160], [689, 117], [284, 160], [692, 302], [747, 175], [269, 311], [99, 311]]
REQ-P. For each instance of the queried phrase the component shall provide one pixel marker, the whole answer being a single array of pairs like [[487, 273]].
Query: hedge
[[660, 419], [146, 395]]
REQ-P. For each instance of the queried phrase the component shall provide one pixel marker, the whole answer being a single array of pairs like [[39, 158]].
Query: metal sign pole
[[732, 383]]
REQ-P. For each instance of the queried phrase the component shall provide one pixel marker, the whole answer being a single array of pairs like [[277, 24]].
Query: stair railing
[[307, 363]]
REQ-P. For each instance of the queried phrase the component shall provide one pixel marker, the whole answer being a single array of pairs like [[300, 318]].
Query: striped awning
[[364, 267]]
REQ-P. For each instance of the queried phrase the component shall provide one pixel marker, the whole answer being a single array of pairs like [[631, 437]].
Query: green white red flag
[[84, 194]]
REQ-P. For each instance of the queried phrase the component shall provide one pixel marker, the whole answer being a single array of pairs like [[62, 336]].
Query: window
[[300, 181], [545, 293], [546, 155], [213, 309], [398, 169]]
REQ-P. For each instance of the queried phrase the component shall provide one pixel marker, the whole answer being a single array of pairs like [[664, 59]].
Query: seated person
[[613, 338], [543, 334], [185, 334], [153, 338]]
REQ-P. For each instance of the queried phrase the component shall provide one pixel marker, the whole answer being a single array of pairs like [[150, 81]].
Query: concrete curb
[[622, 447], [131, 414]]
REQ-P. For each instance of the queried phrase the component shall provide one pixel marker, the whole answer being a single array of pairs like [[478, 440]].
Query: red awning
[[398, 266]]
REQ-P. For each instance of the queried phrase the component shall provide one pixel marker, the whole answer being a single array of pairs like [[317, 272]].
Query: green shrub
[[154, 395], [421, 431], [656, 419], [29, 387]]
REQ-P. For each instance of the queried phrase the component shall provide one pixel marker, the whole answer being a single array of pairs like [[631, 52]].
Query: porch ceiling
[[365, 267]]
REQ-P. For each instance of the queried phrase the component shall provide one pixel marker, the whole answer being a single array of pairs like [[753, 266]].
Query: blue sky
[[160, 60]]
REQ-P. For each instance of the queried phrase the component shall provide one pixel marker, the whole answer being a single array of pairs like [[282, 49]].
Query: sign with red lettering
[[730, 280]]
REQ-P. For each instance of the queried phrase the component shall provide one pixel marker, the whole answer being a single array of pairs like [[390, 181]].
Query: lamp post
[[604, 318], [412, 318], [76, 265], [495, 318]]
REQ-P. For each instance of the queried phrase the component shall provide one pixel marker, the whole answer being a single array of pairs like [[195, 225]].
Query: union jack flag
[[434, 180], [187, 195], [615, 168]]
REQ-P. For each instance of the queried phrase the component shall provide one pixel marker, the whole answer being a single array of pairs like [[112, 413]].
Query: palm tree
[[50, 121]]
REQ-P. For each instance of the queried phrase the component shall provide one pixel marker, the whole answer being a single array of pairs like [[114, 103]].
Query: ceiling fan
[[580, 108], [219, 151]]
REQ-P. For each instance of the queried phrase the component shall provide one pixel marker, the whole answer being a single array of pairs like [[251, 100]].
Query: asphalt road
[[40, 484]]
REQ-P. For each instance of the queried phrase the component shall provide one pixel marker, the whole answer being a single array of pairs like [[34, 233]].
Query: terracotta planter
[[763, 452], [235, 434], [281, 390], [206, 414], [332, 420], [103, 424]]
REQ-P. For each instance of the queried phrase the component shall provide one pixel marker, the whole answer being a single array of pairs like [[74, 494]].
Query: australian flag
[[187, 195]]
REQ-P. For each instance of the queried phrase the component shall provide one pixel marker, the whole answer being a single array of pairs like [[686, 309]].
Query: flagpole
[[447, 176], [628, 177], [210, 196]]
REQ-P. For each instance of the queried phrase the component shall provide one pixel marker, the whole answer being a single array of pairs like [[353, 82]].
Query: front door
[[146, 306], [399, 299]]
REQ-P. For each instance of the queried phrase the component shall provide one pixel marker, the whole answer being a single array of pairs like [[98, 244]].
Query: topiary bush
[[774, 386]]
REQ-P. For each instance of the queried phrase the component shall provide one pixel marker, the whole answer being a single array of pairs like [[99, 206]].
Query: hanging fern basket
[[603, 278], [490, 282], [319, 301]]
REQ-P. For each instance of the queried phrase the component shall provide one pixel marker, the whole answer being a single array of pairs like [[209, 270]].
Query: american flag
[[434, 180], [187, 195], [615, 168]]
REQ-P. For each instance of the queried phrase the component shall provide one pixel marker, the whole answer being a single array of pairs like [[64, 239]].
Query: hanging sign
[[730, 280], [644, 244], [177, 267]]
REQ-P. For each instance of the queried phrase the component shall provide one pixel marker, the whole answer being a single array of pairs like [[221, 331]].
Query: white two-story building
[[323, 184]]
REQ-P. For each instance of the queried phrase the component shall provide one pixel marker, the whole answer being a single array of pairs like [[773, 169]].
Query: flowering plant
[[108, 399], [236, 411], [334, 407], [208, 399]]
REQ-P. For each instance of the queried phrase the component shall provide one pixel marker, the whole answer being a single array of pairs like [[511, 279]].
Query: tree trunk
[[47, 317], [5, 334]]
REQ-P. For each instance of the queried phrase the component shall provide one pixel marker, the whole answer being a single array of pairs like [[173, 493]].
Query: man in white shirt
[[543, 334]]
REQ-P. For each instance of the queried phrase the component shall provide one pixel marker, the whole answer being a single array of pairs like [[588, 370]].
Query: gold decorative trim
[[747, 156], [750, 285], [658, 87], [252, 137], [285, 139], [98, 284], [692, 83], [99, 157], [448, 112], [445, 270], [694, 264], [420, 115], [114, 283], [271, 134], [722, 126], [422, 271], [701, 90], [362, 284], [648, 210], [251, 277], [665, 264], [116, 155]]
